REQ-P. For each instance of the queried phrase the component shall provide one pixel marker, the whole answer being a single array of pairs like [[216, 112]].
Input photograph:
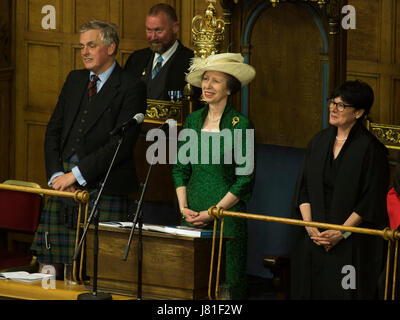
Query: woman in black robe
[[344, 180]]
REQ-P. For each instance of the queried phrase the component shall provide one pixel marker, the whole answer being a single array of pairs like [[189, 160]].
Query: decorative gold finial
[[274, 2], [208, 32], [321, 3], [81, 196]]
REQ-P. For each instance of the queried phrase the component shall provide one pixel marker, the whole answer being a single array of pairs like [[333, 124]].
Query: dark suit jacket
[[139, 65], [120, 98]]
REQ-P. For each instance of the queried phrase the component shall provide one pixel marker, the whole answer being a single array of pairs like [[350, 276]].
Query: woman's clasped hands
[[328, 238], [196, 219]]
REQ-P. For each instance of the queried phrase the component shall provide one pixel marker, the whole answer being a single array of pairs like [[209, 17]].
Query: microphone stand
[[94, 295], [139, 217]]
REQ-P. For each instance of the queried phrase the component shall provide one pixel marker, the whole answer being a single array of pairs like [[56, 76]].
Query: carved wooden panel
[[6, 125], [5, 34], [396, 100], [135, 28], [35, 132], [124, 55], [374, 55], [364, 41], [286, 104], [77, 58], [44, 68], [396, 38], [6, 80], [88, 10]]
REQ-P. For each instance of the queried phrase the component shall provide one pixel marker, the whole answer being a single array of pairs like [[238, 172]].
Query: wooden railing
[[80, 196], [219, 214]]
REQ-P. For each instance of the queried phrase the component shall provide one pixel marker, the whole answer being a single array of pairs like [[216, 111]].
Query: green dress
[[207, 182]]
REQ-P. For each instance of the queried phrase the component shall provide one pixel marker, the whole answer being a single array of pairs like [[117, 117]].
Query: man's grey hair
[[108, 32]]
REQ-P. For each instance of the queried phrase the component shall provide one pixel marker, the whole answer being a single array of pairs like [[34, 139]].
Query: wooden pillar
[[6, 78]]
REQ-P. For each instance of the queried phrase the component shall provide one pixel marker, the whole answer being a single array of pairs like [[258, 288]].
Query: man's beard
[[159, 47]]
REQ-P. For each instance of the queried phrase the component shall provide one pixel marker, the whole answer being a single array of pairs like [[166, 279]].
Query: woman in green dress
[[215, 162]]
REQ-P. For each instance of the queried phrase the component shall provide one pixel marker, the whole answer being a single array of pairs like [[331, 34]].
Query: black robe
[[356, 181]]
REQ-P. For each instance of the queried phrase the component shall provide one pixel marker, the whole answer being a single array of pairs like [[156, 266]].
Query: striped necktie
[[157, 67], [92, 87]]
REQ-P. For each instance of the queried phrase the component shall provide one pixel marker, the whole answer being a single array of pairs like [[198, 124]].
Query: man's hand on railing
[[65, 182]]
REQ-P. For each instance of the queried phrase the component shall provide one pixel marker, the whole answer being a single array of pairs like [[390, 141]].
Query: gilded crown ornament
[[208, 32]]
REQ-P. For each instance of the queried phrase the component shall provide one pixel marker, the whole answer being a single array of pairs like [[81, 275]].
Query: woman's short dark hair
[[356, 93]]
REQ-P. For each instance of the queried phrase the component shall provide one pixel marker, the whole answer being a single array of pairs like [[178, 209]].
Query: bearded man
[[164, 64]]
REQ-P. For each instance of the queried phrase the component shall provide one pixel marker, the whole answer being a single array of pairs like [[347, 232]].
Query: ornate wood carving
[[389, 135], [4, 43], [6, 77], [158, 111]]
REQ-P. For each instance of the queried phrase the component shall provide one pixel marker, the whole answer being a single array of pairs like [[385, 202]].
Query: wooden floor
[[57, 290]]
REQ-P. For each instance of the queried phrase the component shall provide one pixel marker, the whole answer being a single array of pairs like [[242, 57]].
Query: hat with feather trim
[[230, 63]]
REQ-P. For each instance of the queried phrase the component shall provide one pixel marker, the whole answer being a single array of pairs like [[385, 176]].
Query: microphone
[[135, 120]]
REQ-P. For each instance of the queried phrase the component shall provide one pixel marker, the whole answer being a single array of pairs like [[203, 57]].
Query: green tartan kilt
[[54, 240]]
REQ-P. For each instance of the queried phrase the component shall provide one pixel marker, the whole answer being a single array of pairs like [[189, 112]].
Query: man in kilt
[[79, 147]]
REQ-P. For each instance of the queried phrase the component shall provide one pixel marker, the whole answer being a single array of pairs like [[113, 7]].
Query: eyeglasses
[[339, 105]]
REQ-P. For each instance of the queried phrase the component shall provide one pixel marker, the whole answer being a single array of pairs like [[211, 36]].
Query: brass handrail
[[386, 234], [80, 196]]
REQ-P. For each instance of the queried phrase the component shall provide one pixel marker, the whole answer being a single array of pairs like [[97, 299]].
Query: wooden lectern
[[174, 267]]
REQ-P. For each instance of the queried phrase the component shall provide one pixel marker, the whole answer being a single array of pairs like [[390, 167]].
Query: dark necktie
[[92, 87], [157, 67]]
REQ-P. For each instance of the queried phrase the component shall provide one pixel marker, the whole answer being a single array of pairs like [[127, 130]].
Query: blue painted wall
[[276, 174], [276, 171]]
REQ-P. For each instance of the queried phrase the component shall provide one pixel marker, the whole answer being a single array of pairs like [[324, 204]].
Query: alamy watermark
[[349, 20], [236, 146], [349, 280], [49, 20], [50, 282]]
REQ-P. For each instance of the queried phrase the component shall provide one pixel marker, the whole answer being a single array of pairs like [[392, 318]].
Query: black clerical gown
[[356, 181]]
